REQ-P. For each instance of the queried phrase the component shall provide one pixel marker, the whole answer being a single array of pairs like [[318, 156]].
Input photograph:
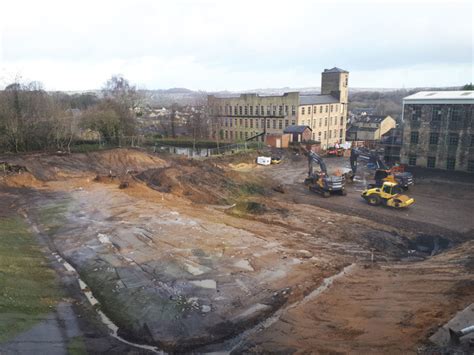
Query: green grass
[[28, 287]]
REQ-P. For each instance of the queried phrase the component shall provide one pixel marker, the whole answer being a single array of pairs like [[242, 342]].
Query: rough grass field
[[28, 287]]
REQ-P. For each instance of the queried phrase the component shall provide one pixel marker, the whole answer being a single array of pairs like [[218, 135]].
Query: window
[[235, 122], [309, 110], [226, 134], [436, 114], [315, 109], [226, 122], [416, 112], [269, 107], [472, 140], [280, 124], [293, 122], [431, 162], [226, 109], [235, 110], [293, 110], [325, 121], [274, 110], [342, 120], [324, 135], [302, 110], [450, 163], [240, 110], [241, 122], [230, 122], [268, 123], [453, 139], [256, 123], [286, 109], [262, 110], [251, 110], [470, 166], [330, 134], [246, 110], [241, 135], [340, 133], [274, 124], [231, 135], [412, 160], [434, 137], [280, 110], [251, 123], [456, 114], [246, 123], [320, 122], [286, 123], [332, 108], [327, 107], [320, 109], [414, 137], [319, 134]]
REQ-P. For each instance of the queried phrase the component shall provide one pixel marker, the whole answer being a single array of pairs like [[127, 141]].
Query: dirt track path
[[381, 309]]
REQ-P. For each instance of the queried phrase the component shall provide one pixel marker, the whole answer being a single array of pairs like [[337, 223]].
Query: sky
[[236, 45]]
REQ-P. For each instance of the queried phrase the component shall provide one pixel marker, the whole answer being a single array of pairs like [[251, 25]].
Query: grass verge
[[28, 287]]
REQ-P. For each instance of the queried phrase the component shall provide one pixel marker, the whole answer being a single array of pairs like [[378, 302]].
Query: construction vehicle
[[382, 172], [389, 194], [320, 182]]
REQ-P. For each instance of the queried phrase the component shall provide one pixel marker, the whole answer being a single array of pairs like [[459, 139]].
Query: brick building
[[438, 130], [241, 117]]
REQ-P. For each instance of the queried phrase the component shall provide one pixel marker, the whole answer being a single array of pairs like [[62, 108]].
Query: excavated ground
[[205, 255]]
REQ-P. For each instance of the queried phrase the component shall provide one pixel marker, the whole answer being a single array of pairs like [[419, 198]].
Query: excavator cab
[[321, 182]]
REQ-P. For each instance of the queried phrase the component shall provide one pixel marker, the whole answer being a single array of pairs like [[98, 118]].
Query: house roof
[[317, 99], [372, 118], [441, 97], [335, 70], [296, 129]]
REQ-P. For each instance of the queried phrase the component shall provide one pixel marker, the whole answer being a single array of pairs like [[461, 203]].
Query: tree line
[[33, 119]]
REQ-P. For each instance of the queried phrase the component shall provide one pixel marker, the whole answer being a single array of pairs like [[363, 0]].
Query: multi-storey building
[[438, 130], [245, 116]]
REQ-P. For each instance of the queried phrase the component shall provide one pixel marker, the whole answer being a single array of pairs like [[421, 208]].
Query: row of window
[[321, 135], [259, 110], [450, 163], [453, 138], [307, 109], [315, 121], [455, 113], [257, 123]]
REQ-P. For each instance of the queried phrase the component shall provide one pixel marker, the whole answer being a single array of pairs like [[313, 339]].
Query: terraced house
[[438, 130], [252, 116]]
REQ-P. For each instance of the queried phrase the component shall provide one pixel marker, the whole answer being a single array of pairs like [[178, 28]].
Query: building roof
[[441, 97], [296, 129], [335, 70], [317, 99], [371, 118]]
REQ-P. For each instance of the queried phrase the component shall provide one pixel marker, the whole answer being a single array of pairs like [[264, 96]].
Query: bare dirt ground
[[205, 256]]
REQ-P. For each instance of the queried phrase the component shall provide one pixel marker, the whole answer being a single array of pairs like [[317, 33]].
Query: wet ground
[[242, 267]]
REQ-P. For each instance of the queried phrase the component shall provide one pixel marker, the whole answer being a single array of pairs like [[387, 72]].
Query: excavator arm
[[370, 157], [315, 158]]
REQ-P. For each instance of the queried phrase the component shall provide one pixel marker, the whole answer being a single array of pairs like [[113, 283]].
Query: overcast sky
[[236, 45]]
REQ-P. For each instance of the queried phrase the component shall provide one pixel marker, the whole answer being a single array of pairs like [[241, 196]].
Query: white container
[[264, 160]]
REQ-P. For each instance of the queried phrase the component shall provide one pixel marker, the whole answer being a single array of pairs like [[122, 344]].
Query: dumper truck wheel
[[374, 200]]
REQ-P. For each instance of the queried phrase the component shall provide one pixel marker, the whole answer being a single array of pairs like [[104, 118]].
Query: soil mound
[[115, 162], [199, 181]]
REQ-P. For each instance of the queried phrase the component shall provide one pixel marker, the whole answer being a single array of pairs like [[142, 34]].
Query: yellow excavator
[[389, 194]]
